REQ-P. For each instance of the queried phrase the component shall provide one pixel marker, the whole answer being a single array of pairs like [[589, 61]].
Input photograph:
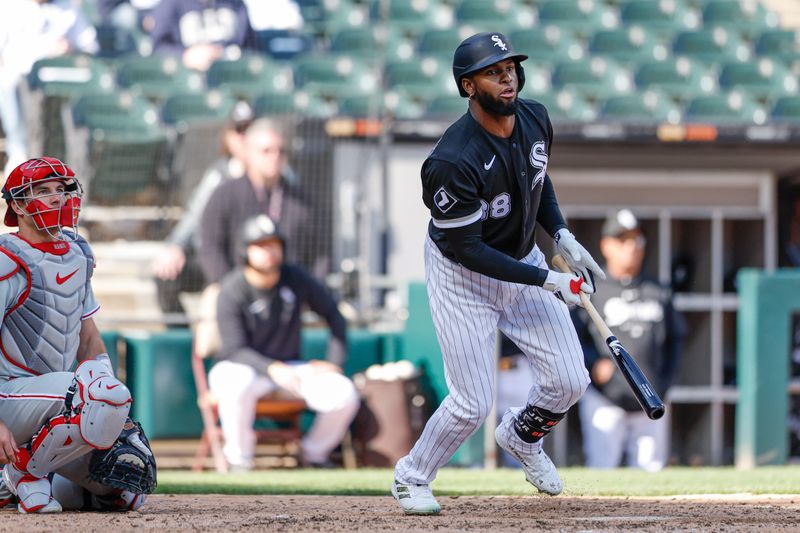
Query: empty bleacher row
[[355, 58], [645, 61]]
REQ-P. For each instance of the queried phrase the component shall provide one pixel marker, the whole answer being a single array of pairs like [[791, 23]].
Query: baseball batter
[[59, 414], [486, 185]]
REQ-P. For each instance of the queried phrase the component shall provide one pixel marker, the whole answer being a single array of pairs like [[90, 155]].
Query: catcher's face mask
[[47, 191]]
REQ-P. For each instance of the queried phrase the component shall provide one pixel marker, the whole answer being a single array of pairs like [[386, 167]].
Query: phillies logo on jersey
[[538, 159]]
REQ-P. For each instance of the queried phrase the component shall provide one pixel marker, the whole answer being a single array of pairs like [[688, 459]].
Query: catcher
[[77, 448]]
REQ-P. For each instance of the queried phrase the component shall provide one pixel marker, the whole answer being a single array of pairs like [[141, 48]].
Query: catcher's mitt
[[129, 464]]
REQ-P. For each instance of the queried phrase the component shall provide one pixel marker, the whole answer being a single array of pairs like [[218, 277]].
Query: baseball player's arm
[[321, 302], [549, 214], [213, 251], [91, 345]]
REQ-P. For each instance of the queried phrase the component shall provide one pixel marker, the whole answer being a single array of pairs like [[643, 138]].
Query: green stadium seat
[[582, 17], [334, 76], [709, 46], [121, 147], [488, 15], [446, 107], [156, 77], [270, 104], [411, 17], [346, 15], [786, 109], [642, 107], [627, 45], [664, 17], [358, 42], [51, 84], [248, 76], [763, 79], [404, 106], [360, 107], [731, 108], [778, 44], [680, 78], [595, 78], [70, 75], [185, 108], [119, 111], [440, 43], [326, 17], [547, 45], [748, 17], [297, 103], [424, 77], [565, 106]]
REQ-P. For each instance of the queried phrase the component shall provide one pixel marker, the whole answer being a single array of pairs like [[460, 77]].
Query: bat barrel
[[640, 386]]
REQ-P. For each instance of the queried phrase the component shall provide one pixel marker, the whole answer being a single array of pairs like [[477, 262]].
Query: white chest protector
[[41, 331]]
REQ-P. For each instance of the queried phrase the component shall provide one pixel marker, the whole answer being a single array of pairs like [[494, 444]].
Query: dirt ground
[[495, 514]]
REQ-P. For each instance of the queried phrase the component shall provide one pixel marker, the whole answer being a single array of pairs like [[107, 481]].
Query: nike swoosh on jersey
[[487, 166], [63, 280]]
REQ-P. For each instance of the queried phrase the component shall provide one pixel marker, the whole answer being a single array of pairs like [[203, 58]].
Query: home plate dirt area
[[465, 513]]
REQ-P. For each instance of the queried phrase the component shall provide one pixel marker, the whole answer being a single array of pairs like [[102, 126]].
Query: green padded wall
[[766, 304], [159, 375]]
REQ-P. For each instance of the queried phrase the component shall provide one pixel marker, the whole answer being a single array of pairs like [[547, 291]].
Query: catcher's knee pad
[[97, 406], [102, 403]]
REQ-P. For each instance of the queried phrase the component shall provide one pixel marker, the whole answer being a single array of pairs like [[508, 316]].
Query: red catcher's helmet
[[19, 187]]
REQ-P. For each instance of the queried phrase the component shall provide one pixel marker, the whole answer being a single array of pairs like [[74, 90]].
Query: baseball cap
[[241, 116], [620, 222]]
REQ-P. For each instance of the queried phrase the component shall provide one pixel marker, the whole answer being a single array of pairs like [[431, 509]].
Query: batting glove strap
[[566, 286]]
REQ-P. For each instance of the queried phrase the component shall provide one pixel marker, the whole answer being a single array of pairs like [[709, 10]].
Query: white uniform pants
[[467, 310], [609, 431], [238, 387]]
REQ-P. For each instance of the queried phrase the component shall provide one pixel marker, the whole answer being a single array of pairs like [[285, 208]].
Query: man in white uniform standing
[[58, 415], [486, 185]]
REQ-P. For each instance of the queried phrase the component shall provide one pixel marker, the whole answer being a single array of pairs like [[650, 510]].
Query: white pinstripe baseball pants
[[467, 310]]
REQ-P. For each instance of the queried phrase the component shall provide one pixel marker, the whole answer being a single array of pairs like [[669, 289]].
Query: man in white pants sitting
[[259, 316]]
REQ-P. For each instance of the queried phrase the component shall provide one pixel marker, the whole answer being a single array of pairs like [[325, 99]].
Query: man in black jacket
[[639, 310], [263, 190], [259, 316]]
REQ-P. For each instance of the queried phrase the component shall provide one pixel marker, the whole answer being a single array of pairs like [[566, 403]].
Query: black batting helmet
[[257, 229], [482, 50]]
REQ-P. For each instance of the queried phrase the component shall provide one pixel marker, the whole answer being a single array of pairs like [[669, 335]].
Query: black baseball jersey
[[472, 175]]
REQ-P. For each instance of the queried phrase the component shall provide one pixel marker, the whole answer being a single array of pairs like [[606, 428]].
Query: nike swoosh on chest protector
[[63, 280], [487, 166]]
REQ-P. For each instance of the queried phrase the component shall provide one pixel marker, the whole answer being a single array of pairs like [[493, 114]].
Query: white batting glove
[[567, 286], [576, 256]]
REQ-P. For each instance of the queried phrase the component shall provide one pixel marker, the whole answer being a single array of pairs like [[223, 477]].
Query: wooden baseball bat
[[645, 394]]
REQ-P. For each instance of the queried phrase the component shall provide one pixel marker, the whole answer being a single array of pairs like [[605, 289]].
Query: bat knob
[[656, 412]]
